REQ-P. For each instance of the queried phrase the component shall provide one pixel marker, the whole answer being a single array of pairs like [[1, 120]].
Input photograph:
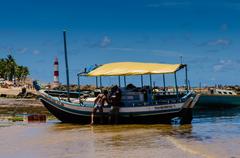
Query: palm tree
[[2, 68], [21, 73], [10, 67], [25, 72], [19, 70]]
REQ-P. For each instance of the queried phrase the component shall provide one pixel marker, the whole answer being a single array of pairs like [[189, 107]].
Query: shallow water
[[213, 136]]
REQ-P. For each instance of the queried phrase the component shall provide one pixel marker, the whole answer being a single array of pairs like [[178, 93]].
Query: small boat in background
[[217, 98]]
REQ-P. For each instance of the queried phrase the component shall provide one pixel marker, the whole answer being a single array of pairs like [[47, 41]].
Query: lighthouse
[[56, 73]]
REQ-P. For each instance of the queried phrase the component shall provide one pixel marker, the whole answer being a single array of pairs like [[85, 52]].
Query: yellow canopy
[[133, 68]]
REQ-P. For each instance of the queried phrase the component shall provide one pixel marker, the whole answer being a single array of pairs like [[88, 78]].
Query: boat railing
[[136, 97], [143, 98], [51, 98], [185, 97], [60, 96]]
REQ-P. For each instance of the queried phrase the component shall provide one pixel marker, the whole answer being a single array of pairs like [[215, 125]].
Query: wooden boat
[[138, 105], [218, 99]]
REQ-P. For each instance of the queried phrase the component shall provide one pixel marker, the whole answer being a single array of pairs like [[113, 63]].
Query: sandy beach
[[12, 102], [14, 91], [12, 106]]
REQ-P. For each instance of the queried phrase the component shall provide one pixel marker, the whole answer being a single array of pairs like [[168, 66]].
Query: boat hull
[[67, 115], [217, 101]]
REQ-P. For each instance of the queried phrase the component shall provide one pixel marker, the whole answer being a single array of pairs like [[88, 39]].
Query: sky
[[205, 33]]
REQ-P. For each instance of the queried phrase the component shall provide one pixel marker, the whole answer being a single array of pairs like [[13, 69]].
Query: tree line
[[10, 70]]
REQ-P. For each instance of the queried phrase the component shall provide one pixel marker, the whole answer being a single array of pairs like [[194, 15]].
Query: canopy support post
[[119, 81], [164, 84], [79, 88], [176, 86], [186, 77], [142, 81], [150, 80], [100, 80], [151, 94], [125, 82], [96, 82]]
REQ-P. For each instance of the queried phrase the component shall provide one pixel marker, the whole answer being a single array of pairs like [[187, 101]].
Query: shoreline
[[13, 92], [12, 107], [19, 102]]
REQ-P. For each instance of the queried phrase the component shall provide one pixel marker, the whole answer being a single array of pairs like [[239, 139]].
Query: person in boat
[[115, 99], [130, 87], [99, 102]]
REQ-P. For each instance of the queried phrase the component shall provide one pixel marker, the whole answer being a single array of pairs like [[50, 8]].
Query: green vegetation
[[16, 119], [10, 70]]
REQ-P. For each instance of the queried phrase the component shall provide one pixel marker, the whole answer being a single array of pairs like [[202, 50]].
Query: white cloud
[[167, 4], [156, 52], [225, 64], [22, 50], [35, 52], [218, 67], [123, 49], [213, 79], [224, 27], [217, 42], [106, 41], [221, 42]]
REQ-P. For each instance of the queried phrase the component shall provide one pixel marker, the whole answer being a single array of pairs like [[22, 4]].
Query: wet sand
[[14, 91], [10, 91], [55, 140]]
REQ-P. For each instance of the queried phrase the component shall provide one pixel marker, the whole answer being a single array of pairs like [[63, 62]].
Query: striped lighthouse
[[56, 73]]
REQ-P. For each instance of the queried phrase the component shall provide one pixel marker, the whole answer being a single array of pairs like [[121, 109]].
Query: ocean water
[[215, 135]]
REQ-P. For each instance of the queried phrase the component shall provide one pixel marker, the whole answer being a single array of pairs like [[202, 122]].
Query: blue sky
[[205, 33]]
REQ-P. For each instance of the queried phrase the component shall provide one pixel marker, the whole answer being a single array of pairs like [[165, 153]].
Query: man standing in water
[[115, 98], [98, 105]]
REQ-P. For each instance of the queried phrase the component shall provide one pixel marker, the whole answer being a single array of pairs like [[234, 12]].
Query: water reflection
[[54, 139], [129, 135], [203, 112], [134, 134]]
